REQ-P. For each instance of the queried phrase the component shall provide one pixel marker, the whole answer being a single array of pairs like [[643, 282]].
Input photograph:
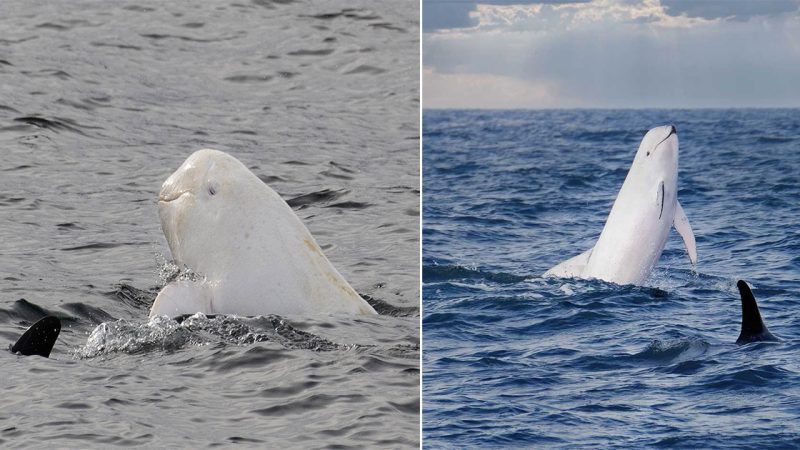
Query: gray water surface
[[99, 103]]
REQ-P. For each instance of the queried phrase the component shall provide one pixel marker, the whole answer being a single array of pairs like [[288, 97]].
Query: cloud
[[612, 54], [730, 9], [441, 14]]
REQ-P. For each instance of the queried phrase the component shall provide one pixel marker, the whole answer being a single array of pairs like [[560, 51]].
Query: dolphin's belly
[[627, 252], [284, 292]]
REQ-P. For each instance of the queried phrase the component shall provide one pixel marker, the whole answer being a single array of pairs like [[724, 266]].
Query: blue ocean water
[[511, 359]]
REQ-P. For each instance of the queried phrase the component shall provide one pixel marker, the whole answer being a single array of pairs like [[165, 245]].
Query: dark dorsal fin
[[753, 328], [39, 338]]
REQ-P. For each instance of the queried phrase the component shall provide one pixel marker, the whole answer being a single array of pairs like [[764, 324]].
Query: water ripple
[[514, 360]]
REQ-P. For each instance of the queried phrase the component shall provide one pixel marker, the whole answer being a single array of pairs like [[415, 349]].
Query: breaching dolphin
[[753, 328], [645, 210], [252, 253]]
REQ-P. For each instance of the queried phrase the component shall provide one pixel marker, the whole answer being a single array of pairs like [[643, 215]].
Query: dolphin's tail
[[571, 268], [753, 328], [39, 338]]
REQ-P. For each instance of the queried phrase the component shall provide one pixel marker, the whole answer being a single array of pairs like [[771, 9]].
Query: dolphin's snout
[[171, 190], [672, 130], [166, 198], [168, 191], [181, 181]]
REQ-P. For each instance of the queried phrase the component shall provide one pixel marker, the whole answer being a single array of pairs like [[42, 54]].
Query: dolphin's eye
[[212, 189]]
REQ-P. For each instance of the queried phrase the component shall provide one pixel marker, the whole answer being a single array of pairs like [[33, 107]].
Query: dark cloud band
[[442, 14]]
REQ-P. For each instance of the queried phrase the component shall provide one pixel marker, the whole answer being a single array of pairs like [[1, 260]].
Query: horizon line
[[565, 108]]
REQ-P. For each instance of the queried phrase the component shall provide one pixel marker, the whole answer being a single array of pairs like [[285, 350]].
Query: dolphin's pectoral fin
[[753, 328], [182, 297], [572, 267], [660, 199], [682, 226]]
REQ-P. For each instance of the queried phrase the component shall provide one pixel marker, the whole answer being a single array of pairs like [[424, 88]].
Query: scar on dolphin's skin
[[312, 246]]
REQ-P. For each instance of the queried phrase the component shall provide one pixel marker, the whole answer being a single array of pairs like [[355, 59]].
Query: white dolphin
[[253, 254], [637, 228]]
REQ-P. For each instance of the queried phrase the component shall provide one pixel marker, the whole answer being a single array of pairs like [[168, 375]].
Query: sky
[[611, 53]]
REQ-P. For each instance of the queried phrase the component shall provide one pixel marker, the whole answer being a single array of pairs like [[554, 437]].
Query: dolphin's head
[[198, 206], [653, 177], [659, 146], [657, 157]]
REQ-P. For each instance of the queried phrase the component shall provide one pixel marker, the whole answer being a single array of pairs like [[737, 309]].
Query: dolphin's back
[[753, 328]]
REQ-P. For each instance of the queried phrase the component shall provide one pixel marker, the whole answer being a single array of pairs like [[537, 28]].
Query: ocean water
[[514, 360], [99, 102]]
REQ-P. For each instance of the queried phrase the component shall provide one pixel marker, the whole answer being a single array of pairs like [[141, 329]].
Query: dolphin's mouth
[[672, 131], [171, 196]]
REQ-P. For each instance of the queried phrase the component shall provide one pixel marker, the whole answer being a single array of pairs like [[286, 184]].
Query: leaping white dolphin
[[637, 228], [255, 255]]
